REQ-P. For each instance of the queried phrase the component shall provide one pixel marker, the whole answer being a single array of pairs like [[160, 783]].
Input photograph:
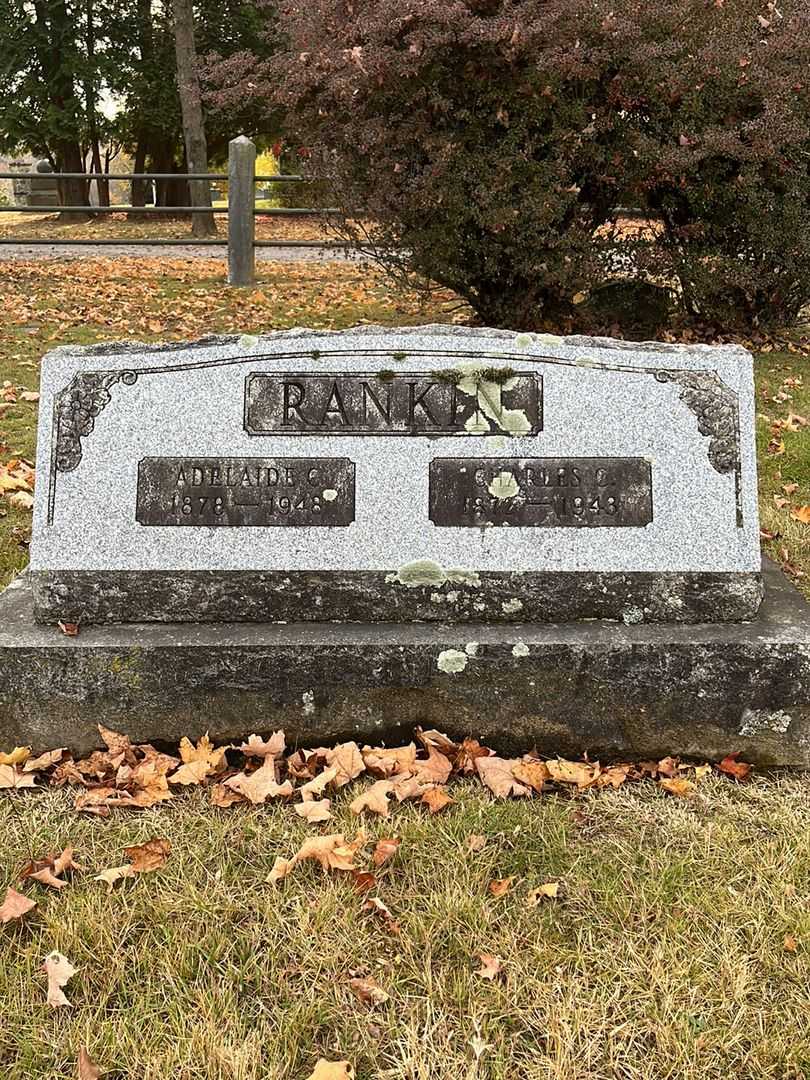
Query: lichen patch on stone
[[329, 494], [247, 341], [429, 572], [521, 649], [512, 606], [452, 661], [755, 721], [504, 485], [471, 648]]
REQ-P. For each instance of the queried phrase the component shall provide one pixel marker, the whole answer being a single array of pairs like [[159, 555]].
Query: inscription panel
[[541, 492], [245, 491], [491, 401]]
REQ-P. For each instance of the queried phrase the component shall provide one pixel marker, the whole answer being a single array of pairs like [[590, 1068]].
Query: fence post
[[241, 220]]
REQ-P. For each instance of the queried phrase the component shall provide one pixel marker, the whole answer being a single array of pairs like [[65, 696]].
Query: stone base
[[609, 689], [425, 594]]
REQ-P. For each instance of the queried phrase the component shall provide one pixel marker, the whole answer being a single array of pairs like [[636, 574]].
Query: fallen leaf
[[29, 395], [261, 785], [88, 1070], [548, 891], [491, 966], [436, 799], [790, 489], [347, 761], [193, 772], [17, 756], [467, 754], [69, 629], [437, 740], [475, 842], [213, 756], [12, 778], [115, 873], [318, 784], [684, 789], [500, 886], [667, 766], [224, 797], [331, 1070], [375, 906], [387, 762], [572, 772], [802, 514], [22, 500], [407, 787], [256, 746], [435, 769], [385, 849], [363, 881], [790, 943], [118, 744], [149, 856], [59, 970], [375, 799], [496, 773], [15, 906], [533, 773], [368, 991], [44, 761], [740, 770], [48, 871], [313, 811], [333, 852]]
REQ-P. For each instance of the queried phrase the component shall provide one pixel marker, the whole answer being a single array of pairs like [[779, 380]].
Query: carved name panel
[[245, 491], [388, 403], [548, 492]]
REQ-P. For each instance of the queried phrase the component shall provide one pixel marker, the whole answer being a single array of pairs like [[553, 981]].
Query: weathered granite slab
[[612, 690], [431, 473]]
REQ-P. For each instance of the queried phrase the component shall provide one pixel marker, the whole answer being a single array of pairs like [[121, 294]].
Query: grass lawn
[[678, 947]]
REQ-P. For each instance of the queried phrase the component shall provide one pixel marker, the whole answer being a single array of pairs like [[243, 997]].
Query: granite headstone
[[419, 474]]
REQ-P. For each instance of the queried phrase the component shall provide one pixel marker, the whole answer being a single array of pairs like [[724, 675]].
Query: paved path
[[26, 252]]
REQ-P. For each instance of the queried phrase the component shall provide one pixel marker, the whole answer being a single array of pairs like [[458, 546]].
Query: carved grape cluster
[[77, 407]]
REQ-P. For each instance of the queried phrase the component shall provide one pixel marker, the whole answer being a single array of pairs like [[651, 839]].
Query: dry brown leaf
[[385, 849], [668, 766], [407, 787], [491, 966], [281, 868], [684, 789], [88, 1070], [29, 395], [467, 754], [314, 810], [613, 776], [333, 852], [550, 890], [97, 801], [375, 906], [331, 1070], [790, 944], [44, 761], [15, 906], [435, 769], [740, 770], [533, 773], [496, 774], [347, 760], [500, 886], [224, 797], [387, 762], [375, 799], [115, 873], [363, 881], [368, 991], [117, 744], [436, 799], [213, 756], [22, 500], [12, 778], [49, 870], [261, 785], [149, 856], [257, 747], [59, 970], [437, 740], [149, 785], [580, 773], [475, 842], [17, 756], [193, 772], [318, 784], [799, 513]]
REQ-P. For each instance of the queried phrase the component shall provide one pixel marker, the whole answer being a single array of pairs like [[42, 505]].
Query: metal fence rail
[[241, 210]]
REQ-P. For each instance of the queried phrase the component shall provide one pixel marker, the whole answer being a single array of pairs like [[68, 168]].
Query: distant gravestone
[[434, 474], [543, 541]]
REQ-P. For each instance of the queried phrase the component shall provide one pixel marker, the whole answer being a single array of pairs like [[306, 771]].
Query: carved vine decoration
[[715, 406], [77, 407]]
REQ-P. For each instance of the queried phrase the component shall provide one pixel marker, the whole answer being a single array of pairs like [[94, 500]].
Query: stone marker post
[[241, 222]]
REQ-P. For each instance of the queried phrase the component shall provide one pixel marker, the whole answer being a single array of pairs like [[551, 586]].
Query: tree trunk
[[91, 103], [188, 85], [71, 192], [138, 187]]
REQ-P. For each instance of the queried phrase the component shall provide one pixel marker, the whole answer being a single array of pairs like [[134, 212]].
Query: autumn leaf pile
[[129, 776]]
